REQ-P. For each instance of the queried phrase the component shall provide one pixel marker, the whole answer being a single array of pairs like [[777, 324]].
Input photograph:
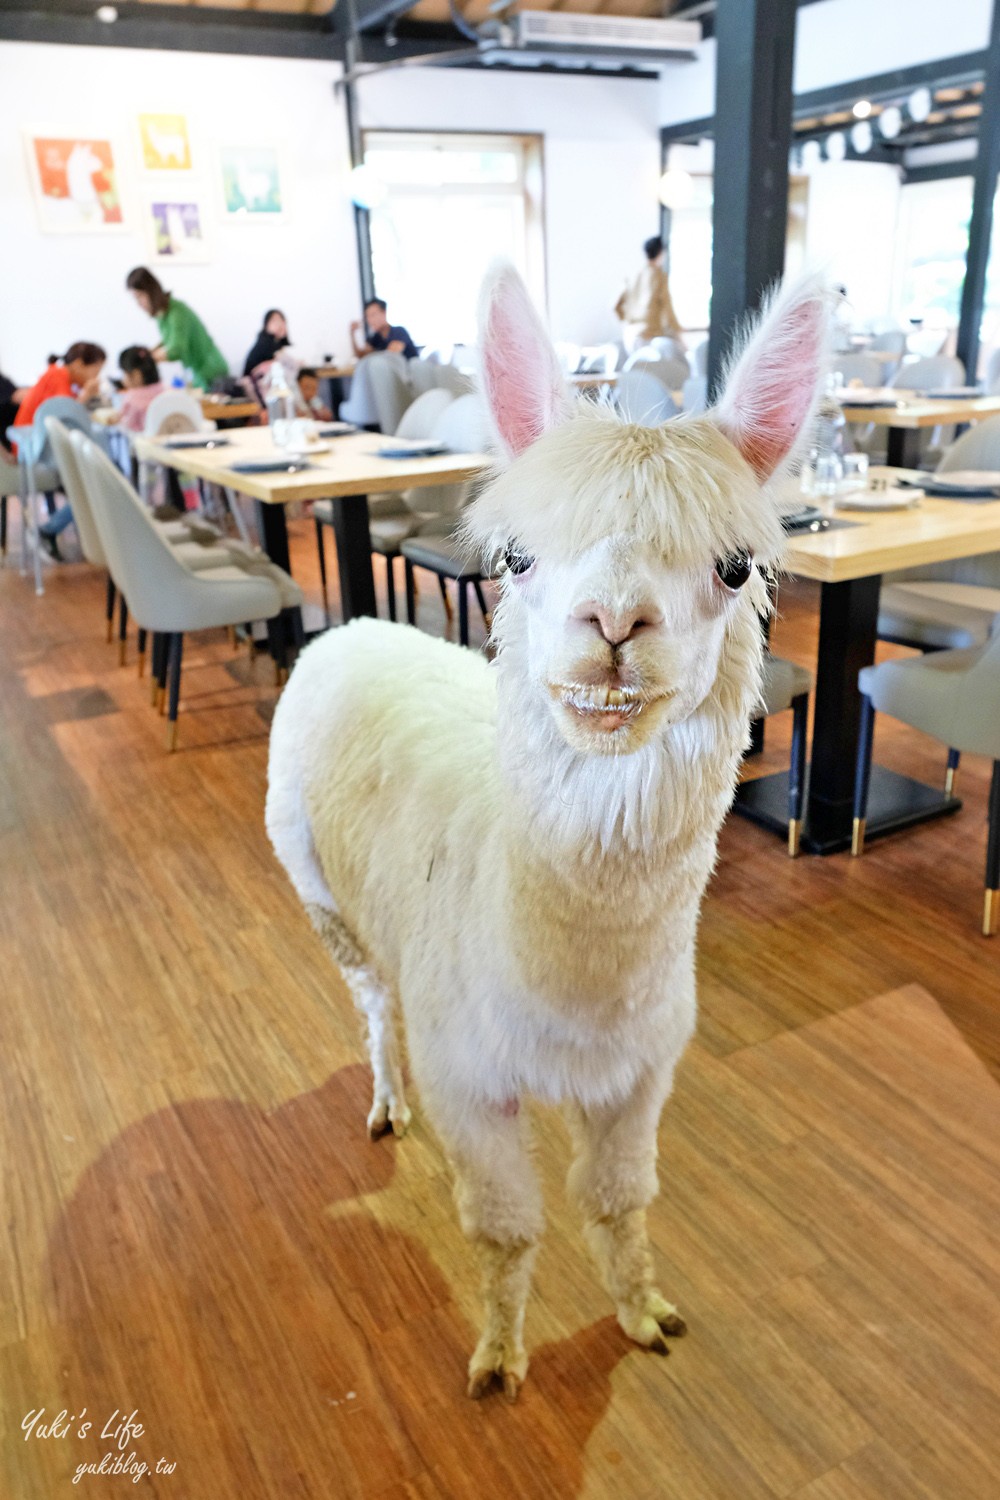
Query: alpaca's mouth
[[603, 708]]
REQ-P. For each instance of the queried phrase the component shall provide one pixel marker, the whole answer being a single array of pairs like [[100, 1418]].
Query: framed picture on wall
[[176, 228], [253, 188], [165, 143], [75, 182]]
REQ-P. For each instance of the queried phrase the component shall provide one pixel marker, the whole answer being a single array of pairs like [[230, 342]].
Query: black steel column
[[753, 127], [362, 219], [977, 258]]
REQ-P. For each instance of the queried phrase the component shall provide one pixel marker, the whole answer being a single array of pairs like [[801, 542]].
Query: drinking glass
[[855, 471]]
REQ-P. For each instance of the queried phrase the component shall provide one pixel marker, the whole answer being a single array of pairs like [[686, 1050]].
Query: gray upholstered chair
[[38, 474], [787, 685], [643, 398], [694, 396], [954, 696], [949, 604], [670, 369], [434, 545], [380, 392], [164, 596], [390, 518], [863, 367]]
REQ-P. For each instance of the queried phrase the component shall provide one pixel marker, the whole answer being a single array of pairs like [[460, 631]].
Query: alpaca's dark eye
[[516, 560], [735, 570]]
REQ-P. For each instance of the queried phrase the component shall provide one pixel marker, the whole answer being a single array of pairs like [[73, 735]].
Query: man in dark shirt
[[381, 334]]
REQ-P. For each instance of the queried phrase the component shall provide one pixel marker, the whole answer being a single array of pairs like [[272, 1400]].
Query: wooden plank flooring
[[194, 1224]]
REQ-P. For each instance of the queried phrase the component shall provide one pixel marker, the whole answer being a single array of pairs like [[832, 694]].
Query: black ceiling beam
[[964, 68], [370, 15], [198, 28], [940, 169]]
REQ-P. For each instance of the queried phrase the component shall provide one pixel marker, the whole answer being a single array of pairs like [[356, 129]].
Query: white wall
[[602, 165], [57, 288], [601, 171], [839, 40]]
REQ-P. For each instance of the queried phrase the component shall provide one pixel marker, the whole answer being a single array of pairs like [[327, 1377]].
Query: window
[[454, 203], [932, 240]]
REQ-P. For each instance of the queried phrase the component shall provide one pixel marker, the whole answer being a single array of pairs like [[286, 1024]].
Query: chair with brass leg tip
[[164, 595], [391, 518], [954, 696], [787, 685], [207, 554]]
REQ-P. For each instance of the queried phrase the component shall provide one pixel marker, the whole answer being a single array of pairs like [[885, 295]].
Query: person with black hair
[[645, 307], [272, 338], [141, 386], [380, 334], [183, 336], [75, 374], [308, 402]]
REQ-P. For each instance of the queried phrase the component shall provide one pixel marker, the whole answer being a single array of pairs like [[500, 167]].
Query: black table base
[[894, 802]]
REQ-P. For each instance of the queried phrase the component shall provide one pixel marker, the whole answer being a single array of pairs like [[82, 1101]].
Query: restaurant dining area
[[500, 747]]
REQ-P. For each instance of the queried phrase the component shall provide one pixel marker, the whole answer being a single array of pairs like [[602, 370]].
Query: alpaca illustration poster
[[166, 145], [177, 231], [251, 182], [75, 182]]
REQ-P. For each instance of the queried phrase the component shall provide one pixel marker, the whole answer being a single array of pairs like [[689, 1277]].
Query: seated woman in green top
[[183, 336]]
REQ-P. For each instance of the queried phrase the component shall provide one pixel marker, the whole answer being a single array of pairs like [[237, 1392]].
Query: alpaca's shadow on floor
[[274, 1350]]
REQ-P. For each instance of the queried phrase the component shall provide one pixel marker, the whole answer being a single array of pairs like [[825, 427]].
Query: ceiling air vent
[[568, 33]]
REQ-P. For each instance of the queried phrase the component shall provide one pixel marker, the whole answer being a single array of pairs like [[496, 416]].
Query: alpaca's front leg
[[500, 1207], [613, 1179]]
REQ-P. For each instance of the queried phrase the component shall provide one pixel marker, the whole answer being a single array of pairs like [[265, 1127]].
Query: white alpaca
[[517, 852]]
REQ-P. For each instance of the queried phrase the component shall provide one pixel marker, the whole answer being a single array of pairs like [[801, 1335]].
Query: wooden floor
[[195, 1226]]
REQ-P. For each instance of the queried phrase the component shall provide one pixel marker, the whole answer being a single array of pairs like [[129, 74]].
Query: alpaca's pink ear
[[774, 384], [522, 381]]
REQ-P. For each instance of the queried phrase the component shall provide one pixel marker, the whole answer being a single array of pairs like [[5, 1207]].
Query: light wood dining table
[[344, 469], [906, 412], [848, 562]]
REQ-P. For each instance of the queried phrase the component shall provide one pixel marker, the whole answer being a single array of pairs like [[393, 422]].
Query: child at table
[[142, 384], [307, 398]]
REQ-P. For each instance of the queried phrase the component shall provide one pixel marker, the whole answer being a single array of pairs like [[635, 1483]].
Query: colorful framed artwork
[[252, 185], [177, 230], [165, 143], [75, 182]]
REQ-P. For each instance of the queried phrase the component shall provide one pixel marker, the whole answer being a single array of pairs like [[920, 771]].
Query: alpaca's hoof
[[386, 1115], [657, 1321], [491, 1365]]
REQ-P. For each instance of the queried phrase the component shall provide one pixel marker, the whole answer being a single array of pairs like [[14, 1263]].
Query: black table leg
[[272, 527], [354, 556], [847, 635], [903, 450]]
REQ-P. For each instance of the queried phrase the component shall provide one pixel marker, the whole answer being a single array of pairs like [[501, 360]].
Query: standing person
[[183, 336], [272, 338], [644, 307], [77, 375], [380, 334]]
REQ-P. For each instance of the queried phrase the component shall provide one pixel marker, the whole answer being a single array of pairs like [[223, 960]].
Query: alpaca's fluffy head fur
[[614, 611]]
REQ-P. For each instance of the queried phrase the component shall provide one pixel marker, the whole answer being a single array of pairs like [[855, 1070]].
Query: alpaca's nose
[[617, 625]]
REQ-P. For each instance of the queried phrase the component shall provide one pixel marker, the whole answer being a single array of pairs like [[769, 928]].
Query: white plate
[[880, 500], [310, 450]]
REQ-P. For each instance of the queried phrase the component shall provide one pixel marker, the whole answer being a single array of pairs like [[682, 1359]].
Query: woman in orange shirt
[[77, 375]]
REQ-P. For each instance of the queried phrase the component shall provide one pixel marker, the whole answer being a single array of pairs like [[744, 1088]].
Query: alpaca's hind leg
[[375, 1003], [389, 1110], [613, 1179], [500, 1208]]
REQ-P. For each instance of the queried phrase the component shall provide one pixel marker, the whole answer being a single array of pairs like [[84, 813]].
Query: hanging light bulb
[[812, 155], [367, 188], [862, 109], [920, 103], [890, 122], [676, 188], [836, 146], [862, 136]]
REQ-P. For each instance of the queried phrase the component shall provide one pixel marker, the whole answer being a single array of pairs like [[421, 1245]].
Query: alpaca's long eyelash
[[517, 560], [734, 570]]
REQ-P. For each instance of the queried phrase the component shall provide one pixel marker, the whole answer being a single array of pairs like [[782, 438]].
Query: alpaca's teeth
[[601, 699]]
